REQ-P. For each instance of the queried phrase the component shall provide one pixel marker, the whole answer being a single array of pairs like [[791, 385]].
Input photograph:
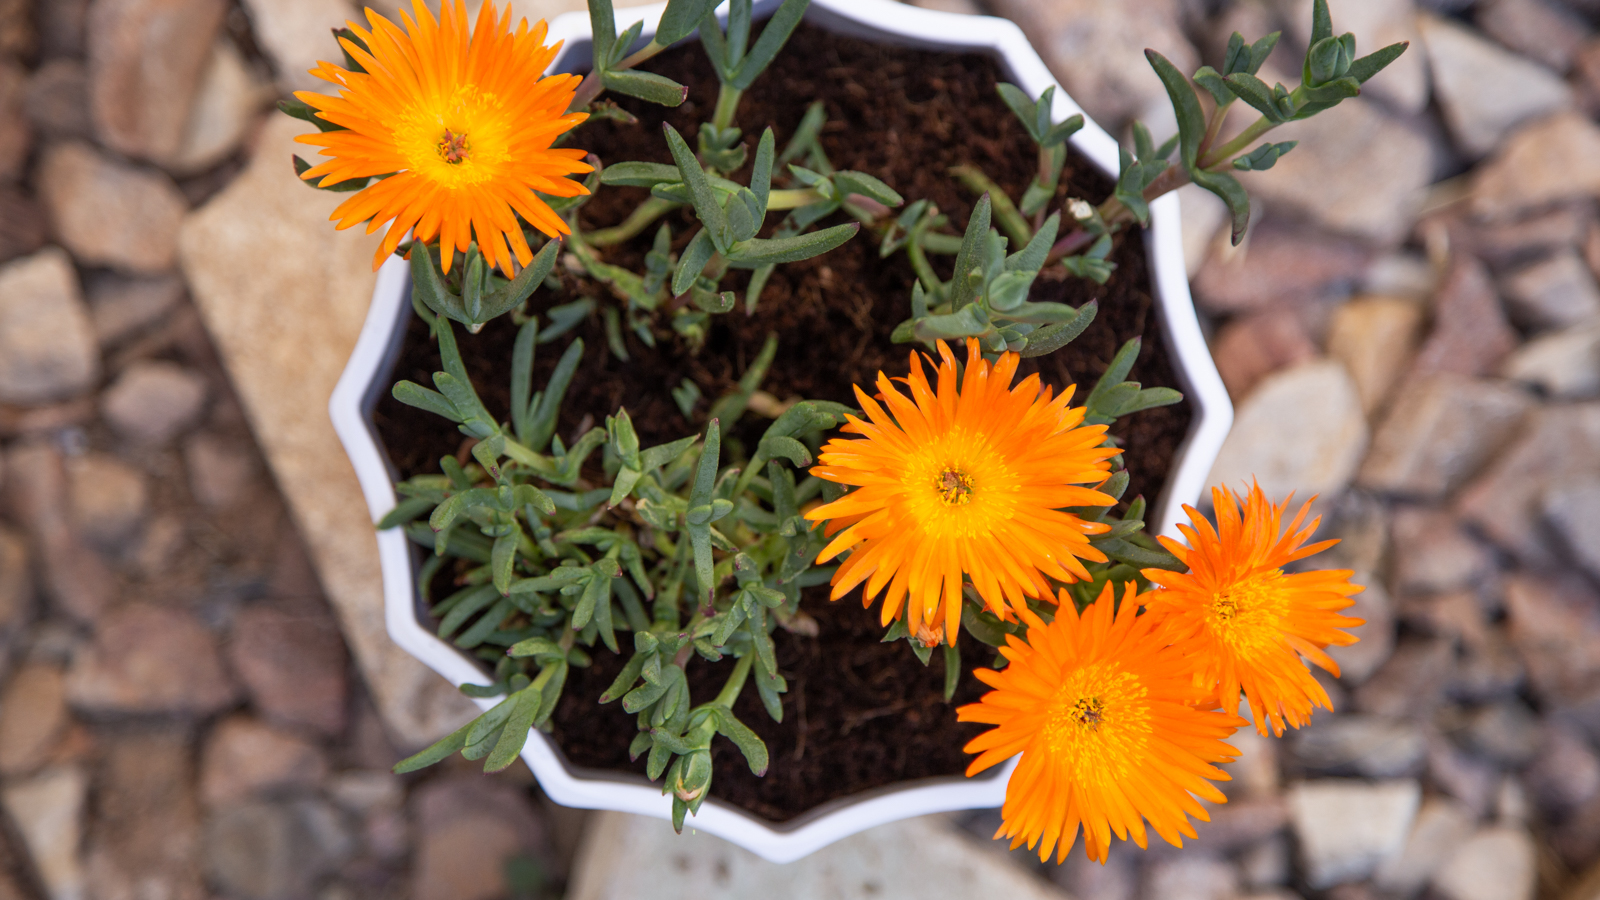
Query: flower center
[[453, 147], [1087, 711], [1247, 614], [954, 486]]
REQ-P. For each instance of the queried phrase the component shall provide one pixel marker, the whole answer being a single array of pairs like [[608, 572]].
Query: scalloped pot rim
[[362, 383]]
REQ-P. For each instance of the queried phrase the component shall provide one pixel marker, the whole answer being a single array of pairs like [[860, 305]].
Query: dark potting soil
[[859, 714]]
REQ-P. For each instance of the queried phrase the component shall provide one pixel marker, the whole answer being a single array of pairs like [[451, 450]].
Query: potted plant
[[564, 552]]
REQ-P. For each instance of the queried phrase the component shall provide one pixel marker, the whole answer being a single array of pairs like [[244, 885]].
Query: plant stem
[[1214, 127], [644, 53], [792, 199], [1005, 212], [1227, 151], [637, 221], [588, 91], [727, 105], [735, 684]]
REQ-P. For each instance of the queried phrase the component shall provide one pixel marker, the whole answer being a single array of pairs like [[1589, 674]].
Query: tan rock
[[285, 328], [1374, 337], [1440, 826], [1494, 864], [1097, 50], [48, 812], [1564, 364], [108, 498], [33, 716], [1356, 170], [150, 659], [1300, 431], [244, 756], [221, 472], [1279, 267], [1347, 828], [145, 62], [295, 33], [1554, 293], [1546, 161], [47, 349], [226, 107], [109, 213], [1439, 432], [1485, 90]]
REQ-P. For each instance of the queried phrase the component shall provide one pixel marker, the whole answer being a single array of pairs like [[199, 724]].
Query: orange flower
[[1244, 621], [461, 123], [971, 482], [1100, 710]]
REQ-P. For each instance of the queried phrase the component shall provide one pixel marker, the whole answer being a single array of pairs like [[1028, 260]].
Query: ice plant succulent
[[459, 125], [1101, 710], [971, 481], [1243, 620]]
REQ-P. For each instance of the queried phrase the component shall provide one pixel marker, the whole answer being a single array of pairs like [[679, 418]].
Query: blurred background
[[196, 696]]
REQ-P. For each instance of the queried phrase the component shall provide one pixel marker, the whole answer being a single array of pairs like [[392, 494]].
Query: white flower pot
[[367, 377]]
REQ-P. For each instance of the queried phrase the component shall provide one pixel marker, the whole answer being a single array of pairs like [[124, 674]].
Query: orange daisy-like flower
[[462, 124], [970, 482], [1100, 710], [1241, 619]]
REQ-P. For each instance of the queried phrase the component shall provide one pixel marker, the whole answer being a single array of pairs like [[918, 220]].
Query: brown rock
[[145, 62], [1373, 607], [1566, 773], [57, 100], [468, 826], [293, 663], [109, 213], [23, 225], [1254, 346], [150, 659], [1439, 432], [47, 347], [1279, 267], [16, 133], [1470, 334], [294, 33], [1510, 243], [152, 402], [1545, 31], [33, 717], [1548, 161], [1239, 824], [18, 37], [145, 840], [16, 579], [61, 26], [1470, 780], [1410, 682], [76, 580], [1374, 337], [1555, 627], [1557, 445], [244, 757], [221, 472], [1433, 554]]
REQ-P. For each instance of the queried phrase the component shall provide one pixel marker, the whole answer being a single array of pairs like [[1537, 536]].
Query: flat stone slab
[[284, 296], [626, 856]]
